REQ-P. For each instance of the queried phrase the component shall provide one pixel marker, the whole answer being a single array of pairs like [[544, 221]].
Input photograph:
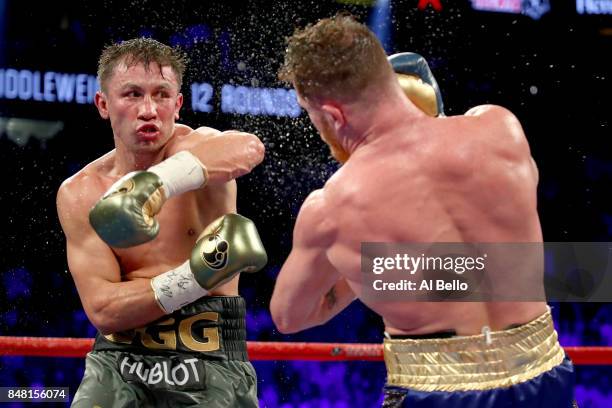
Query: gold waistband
[[469, 363]]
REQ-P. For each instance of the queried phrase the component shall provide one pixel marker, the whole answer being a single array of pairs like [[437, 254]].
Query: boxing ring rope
[[261, 350]]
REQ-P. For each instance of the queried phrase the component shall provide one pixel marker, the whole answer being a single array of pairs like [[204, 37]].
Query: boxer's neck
[[127, 161], [366, 123]]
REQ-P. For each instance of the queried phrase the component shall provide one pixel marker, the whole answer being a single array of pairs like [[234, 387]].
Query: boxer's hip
[[196, 355], [212, 327], [526, 360]]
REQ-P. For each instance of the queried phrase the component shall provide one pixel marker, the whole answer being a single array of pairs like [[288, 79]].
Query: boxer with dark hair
[[155, 247], [410, 174]]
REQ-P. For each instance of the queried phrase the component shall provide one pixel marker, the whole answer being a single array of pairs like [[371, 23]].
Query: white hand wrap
[[180, 172], [176, 288]]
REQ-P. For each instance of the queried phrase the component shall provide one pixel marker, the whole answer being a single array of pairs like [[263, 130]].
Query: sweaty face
[[326, 130], [142, 105]]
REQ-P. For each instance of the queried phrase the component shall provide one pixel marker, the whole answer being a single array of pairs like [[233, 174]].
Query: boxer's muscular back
[[458, 179]]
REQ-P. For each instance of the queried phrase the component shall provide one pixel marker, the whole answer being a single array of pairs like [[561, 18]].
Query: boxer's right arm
[[309, 290], [110, 304], [125, 215], [226, 155]]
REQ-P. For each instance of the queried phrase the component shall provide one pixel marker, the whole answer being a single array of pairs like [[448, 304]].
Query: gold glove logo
[[214, 251]]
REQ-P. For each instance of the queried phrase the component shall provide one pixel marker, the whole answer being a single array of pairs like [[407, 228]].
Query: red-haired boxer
[[161, 284], [408, 176]]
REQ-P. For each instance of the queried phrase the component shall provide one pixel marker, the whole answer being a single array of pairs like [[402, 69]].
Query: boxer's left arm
[[309, 290], [110, 303]]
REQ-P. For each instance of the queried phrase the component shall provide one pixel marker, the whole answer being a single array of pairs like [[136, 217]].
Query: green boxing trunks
[[194, 357]]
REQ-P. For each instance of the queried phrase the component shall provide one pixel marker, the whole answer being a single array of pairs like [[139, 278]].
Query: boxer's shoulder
[[487, 110], [498, 133], [479, 148], [344, 184], [73, 201], [315, 206], [494, 119], [315, 225], [484, 131], [86, 186]]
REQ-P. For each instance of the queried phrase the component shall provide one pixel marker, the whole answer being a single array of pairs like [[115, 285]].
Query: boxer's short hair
[[337, 56], [140, 50]]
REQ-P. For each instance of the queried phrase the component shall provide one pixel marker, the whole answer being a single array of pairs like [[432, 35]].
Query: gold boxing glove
[[418, 82], [228, 246], [125, 215]]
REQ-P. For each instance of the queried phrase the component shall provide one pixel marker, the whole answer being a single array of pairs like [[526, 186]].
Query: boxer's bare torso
[[457, 179], [182, 219]]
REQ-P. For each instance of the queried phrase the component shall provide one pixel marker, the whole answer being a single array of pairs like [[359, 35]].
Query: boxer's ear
[[101, 104], [177, 106], [335, 114]]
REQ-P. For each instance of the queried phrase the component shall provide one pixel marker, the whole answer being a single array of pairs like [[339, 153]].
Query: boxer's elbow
[[100, 314], [284, 323], [278, 317], [281, 317], [289, 321], [257, 150], [105, 330], [100, 322], [104, 326], [287, 326]]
